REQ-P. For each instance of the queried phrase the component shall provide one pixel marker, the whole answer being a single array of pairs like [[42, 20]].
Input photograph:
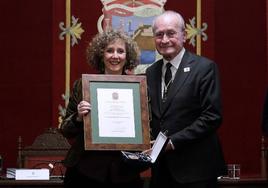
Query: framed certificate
[[119, 118]]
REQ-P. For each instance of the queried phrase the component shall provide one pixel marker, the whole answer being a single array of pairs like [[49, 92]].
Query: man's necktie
[[168, 80], [168, 75]]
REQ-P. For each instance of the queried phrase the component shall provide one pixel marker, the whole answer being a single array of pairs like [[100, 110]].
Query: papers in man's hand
[[27, 174], [158, 146]]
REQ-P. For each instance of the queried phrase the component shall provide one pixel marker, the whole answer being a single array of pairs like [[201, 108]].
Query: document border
[[137, 83]]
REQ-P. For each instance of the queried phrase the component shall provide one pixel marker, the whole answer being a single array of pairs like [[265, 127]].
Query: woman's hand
[[82, 109]]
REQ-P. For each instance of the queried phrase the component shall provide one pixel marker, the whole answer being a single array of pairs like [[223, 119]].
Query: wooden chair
[[47, 151]]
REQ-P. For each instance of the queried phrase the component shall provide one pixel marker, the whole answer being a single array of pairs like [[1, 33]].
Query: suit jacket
[[192, 115], [98, 165]]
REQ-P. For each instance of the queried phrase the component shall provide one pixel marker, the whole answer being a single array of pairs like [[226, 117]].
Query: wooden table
[[244, 182], [54, 183]]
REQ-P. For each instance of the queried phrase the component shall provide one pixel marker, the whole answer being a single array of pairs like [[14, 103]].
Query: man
[[187, 106]]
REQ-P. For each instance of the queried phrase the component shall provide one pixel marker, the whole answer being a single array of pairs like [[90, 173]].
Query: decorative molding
[[75, 30], [71, 32], [194, 30]]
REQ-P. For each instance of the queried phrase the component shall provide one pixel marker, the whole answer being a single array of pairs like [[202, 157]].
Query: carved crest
[[134, 17]]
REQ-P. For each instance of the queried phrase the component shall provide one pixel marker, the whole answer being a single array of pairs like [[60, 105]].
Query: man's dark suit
[[191, 114]]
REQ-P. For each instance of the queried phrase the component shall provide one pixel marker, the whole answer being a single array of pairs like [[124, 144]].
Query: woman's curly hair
[[95, 49]]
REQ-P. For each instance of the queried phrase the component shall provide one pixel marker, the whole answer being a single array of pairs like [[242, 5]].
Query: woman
[[111, 52]]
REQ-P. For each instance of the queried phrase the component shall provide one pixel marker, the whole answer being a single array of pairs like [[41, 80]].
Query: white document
[[115, 112], [28, 174]]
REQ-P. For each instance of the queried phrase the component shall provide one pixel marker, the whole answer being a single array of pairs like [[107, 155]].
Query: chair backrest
[[47, 151]]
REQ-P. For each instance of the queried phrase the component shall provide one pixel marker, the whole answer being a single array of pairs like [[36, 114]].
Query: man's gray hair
[[181, 22]]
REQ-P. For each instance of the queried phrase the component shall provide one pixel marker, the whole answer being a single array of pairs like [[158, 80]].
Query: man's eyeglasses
[[169, 34]]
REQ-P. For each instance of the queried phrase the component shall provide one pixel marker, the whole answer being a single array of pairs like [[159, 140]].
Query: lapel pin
[[186, 69]]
